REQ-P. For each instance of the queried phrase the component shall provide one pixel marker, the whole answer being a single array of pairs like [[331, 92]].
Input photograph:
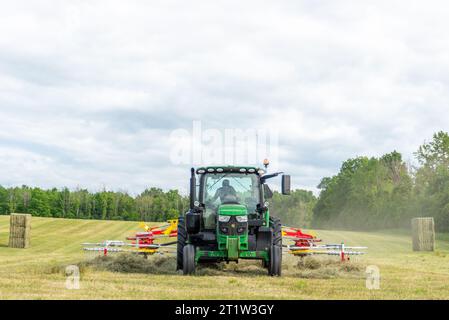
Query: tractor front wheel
[[189, 259]]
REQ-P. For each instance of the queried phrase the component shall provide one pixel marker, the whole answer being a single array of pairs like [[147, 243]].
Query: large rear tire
[[189, 259], [275, 268], [275, 265], [276, 224], [182, 239]]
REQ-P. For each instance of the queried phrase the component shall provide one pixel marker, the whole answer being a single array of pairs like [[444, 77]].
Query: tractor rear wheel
[[182, 239], [189, 259], [275, 265], [276, 224]]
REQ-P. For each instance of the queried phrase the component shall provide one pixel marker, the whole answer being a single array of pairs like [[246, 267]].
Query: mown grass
[[38, 272]]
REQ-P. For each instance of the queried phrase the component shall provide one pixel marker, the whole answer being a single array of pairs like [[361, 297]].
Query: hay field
[[37, 272]]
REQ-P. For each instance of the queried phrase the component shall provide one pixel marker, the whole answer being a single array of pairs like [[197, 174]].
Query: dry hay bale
[[20, 230], [20, 220], [423, 234], [19, 243]]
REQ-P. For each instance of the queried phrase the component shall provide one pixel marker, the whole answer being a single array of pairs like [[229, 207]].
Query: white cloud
[[90, 91]]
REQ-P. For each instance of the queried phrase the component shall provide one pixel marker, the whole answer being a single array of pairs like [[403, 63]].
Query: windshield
[[229, 188]]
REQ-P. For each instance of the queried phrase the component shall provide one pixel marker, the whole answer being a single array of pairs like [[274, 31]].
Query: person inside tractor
[[244, 190], [226, 193]]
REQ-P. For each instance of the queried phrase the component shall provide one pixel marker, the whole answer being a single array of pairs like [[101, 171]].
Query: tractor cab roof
[[230, 169]]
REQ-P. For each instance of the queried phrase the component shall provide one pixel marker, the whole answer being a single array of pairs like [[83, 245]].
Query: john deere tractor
[[229, 219]]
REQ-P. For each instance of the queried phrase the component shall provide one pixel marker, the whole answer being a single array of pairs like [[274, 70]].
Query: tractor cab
[[229, 192], [229, 218]]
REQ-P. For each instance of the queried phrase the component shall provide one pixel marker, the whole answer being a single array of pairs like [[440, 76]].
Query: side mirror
[[267, 193], [286, 184]]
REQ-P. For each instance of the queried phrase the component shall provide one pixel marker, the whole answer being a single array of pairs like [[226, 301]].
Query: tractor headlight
[[224, 218], [242, 218]]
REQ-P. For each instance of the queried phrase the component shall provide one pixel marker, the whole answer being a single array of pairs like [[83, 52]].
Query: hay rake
[[142, 242], [306, 244]]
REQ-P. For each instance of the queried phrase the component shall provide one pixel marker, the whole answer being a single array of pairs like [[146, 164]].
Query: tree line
[[151, 205], [385, 192]]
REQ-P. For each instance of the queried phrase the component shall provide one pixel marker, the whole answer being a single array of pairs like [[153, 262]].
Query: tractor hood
[[232, 210]]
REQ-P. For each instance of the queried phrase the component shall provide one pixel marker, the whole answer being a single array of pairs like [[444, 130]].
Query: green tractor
[[229, 219]]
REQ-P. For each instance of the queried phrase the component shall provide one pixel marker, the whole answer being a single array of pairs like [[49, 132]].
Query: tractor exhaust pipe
[[192, 188], [193, 217]]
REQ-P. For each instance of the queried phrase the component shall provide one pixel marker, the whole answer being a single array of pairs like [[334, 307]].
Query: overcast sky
[[90, 91]]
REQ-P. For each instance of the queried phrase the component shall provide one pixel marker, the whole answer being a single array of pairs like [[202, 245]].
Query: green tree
[[367, 193], [432, 180], [295, 209]]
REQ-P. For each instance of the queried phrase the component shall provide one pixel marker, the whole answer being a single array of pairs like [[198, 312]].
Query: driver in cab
[[225, 192]]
